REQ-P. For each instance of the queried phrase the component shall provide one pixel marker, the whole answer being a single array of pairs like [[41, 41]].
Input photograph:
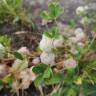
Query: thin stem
[[41, 91]]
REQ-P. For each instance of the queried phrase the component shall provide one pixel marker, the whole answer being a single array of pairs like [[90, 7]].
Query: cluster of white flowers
[[78, 39], [81, 10], [47, 45], [48, 58]]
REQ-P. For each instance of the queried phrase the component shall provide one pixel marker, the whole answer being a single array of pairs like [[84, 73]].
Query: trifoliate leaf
[[55, 79], [39, 69], [55, 10], [38, 81], [48, 72]]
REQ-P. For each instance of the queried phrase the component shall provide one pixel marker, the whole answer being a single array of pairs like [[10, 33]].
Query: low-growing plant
[[75, 78], [67, 64]]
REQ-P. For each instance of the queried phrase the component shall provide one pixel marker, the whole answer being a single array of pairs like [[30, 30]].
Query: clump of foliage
[[66, 63], [13, 11]]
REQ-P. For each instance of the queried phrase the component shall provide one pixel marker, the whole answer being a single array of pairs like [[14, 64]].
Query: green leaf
[[56, 94], [1, 82], [53, 33], [93, 45], [38, 81], [71, 92], [8, 79], [18, 3], [1, 85], [48, 72], [71, 72], [5, 40], [55, 79], [39, 69], [16, 19], [45, 15], [55, 10], [18, 55]]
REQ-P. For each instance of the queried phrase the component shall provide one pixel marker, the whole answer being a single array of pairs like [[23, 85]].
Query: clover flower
[[70, 63], [46, 44], [80, 10], [80, 35], [48, 58]]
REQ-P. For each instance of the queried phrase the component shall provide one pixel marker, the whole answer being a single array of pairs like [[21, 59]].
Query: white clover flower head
[[24, 50], [47, 58], [80, 10], [70, 63], [46, 44], [86, 7], [80, 35], [58, 42]]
